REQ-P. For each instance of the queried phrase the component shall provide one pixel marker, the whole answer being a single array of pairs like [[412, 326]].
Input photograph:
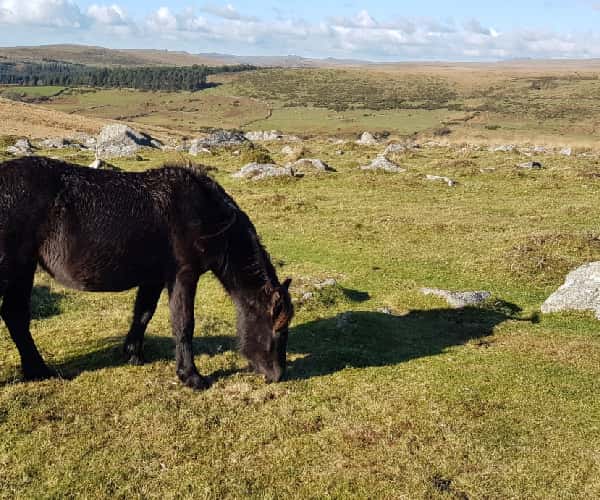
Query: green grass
[[428, 403], [31, 92]]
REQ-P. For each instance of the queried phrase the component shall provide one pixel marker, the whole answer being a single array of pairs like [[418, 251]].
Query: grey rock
[[221, 138], [382, 163], [265, 135], [530, 165], [566, 151], [540, 149], [118, 140], [447, 180], [394, 148], [458, 300], [21, 147], [197, 147], [55, 143], [310, 164], [259, 171], [367, 139], [288, 150], [505, 148], [307, 295], [385, 310], [329, 282], [100, 164], [580, 292]]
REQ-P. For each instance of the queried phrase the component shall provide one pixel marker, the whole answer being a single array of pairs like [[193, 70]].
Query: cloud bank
[[222, 27]]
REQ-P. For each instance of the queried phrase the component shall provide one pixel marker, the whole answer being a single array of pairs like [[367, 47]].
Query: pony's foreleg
[[181, 303], [16, 313], [145, 305]]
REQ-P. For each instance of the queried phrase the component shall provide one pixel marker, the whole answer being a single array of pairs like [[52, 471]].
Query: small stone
[[531, 165], [326, 283], [447, 180], [566, 151], [382, 163], [458, 300], [101, 164], [259, 171], [367, 139], [505, 148], [311, 164]]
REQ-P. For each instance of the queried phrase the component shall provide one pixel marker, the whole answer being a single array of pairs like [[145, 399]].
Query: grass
[[490, 402], [524, 104]]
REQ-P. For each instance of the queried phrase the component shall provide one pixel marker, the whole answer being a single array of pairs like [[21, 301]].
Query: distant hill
[[100, 56]]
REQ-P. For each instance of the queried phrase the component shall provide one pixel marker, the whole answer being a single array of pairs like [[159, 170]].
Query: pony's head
[[263, 330]]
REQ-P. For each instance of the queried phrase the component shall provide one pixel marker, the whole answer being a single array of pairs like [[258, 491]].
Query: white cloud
[[52, 13], [224, 29], [227, 11], [112, 15]]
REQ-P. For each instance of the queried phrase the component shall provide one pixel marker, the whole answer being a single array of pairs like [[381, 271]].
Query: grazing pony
[[107, 231]]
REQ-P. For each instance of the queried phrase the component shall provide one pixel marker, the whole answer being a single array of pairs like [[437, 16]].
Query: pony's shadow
[[355, 339], [364, 338]]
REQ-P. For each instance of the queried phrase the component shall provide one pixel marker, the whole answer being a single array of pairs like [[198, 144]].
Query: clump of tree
[[171, 78]]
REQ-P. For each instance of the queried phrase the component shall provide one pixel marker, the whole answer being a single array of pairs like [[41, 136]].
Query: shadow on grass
[[45, 303], [363, 338], [355, 339]]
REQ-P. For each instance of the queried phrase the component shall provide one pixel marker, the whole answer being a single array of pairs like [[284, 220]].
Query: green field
[[550, 107], [429, 402]]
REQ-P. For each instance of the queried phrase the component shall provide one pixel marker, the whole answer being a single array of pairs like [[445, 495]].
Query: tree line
[[190, 78]]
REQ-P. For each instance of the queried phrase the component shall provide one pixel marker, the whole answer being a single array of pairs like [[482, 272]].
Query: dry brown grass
[[22, 119]]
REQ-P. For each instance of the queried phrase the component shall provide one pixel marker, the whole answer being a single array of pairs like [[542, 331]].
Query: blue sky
[[377, 30]]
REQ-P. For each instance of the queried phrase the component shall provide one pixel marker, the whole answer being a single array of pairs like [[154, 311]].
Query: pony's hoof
[[196, 382], [39, 373]]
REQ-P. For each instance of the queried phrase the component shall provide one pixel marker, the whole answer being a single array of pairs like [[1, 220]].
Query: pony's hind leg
[[16, 313], [145, 305]]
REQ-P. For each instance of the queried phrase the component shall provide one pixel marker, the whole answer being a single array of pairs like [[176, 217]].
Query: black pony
[[111, 231]]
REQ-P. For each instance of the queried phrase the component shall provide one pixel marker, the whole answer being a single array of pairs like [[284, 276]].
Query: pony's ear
[[286, 284]]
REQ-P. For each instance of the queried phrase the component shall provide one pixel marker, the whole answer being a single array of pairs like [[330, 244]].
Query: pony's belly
[[94, 272]]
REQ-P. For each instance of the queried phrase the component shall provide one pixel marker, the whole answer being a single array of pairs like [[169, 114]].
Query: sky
[[377, 30]]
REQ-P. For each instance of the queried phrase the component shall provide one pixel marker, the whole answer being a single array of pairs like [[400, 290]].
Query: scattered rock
[[487, 170], [531, 165], [197, 148], [258, 171], [505, 148], [100, 164], [21, 147], [367, 139], [117, 140], [540, 149], [394, 148], [265, 135], [458, 300], [221, 138], [307, 295], [310, 163], [385, 310], [580, 292], [382, 163], [288, 150], [326, 283], [447, 180], [566, 151], [55, 143]]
